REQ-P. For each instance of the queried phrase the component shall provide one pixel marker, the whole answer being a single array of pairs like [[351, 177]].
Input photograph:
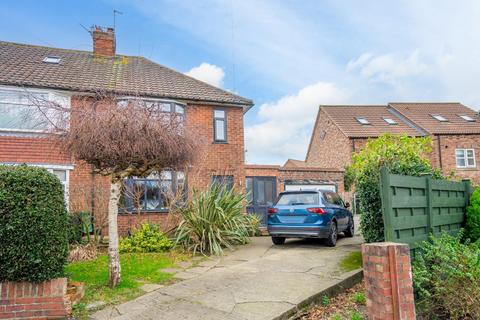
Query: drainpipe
[[439, 153]]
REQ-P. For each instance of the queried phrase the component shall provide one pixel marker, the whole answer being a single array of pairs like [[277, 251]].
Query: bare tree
[[121, 138]]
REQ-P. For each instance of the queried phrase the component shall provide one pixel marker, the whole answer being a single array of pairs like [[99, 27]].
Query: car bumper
[[298, 231]]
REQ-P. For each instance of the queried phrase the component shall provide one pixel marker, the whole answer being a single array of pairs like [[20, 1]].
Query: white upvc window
[[465, 158], [31, 110], [61, 171]]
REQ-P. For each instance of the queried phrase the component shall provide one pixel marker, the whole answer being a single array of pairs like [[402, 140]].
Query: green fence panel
[[414, 207]]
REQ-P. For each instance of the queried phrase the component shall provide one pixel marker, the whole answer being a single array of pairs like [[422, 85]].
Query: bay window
[[31, 111], [153, 193]]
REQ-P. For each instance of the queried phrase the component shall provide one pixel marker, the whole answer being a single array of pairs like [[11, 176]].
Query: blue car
[[309, 214]]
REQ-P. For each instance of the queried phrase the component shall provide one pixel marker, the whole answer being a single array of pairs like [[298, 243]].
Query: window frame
[[439, 117], [363, 121], [465, 158], [228, 180], [60, 97], [129, 207], [225, 124], [173, 104], [390, 121], [466, 117]]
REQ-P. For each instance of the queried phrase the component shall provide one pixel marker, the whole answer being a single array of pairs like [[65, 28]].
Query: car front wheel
[[332, 235], [278, 240]]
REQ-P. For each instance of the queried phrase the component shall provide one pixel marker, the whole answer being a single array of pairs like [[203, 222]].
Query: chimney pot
[[103, 42]]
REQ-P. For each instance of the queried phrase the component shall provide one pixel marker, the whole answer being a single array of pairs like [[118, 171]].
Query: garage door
[[296, 187]]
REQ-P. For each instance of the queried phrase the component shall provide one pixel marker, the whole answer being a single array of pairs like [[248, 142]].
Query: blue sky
[[288, 56]]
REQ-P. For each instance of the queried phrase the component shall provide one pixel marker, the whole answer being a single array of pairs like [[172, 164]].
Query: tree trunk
[[113, 253]]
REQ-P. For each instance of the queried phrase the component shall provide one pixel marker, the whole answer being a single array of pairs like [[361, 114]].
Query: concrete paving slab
[[257, 281]]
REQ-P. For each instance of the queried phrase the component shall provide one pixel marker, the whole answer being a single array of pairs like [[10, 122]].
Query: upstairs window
[[440, 118], [362, 120], [31, 111], [465, 158], [390, 121], [466, 118], [220, 125], [157, 105]]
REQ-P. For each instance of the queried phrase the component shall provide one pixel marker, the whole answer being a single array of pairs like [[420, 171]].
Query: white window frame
[[363, 121], [390, 121], [466, 117], [439, 117], [59, 97], [465, 157], [50, 168]]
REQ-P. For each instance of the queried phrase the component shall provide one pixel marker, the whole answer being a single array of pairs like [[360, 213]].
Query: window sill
[[467, 169], [144, 212], [220, 142]]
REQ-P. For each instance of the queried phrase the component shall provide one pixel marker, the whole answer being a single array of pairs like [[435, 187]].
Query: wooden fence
[[414, 207]]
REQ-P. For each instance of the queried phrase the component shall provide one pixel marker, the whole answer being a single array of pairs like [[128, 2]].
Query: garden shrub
[[80, 224], [473, 217], [147, 238], [446, 275], [401, 155], [33, 225], [213, 220]]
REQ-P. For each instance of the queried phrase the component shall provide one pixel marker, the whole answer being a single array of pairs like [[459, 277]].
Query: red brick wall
[[329, 147], [38, 150], [388, 281], [216, 158], [446, 152], [26, 300]]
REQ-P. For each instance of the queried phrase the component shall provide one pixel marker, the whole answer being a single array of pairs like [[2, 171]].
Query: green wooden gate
[[414, 207]]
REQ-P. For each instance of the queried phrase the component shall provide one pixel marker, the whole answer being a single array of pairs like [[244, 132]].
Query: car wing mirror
[[347, 205]]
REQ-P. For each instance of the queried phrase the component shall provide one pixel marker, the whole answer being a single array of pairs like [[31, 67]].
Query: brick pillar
[[388, 281]]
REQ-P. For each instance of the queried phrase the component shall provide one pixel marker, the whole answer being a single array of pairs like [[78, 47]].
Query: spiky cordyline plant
[[213, 220]]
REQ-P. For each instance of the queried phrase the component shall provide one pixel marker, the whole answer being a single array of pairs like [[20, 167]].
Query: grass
[[352, 262], [137, 269]]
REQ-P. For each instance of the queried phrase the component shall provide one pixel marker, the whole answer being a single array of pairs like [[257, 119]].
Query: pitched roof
[[346, 119], [22, 65], [421, 114], [294, 163]]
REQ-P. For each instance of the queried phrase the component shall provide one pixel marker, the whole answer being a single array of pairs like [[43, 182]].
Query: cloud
[[285, 125], [208, 73], [389, 68]]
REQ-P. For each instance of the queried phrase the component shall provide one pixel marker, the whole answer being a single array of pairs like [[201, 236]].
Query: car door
[[343, 212], [330, 203]]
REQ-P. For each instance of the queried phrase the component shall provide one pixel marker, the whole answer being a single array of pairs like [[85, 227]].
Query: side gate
[[414, 207]]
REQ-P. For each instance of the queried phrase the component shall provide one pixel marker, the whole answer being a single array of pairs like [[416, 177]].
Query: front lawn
[[137, 269]]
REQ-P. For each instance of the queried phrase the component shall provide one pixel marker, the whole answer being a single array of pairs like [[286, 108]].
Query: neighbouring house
[[340, 131], [65, 75]]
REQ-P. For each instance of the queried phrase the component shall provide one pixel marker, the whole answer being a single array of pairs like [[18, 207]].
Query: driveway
[[256, 281]]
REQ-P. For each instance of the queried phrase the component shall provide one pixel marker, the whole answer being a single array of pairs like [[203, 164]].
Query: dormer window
[[466, 118], [362, 121], [52, 59], [390, 121], [439, 118]]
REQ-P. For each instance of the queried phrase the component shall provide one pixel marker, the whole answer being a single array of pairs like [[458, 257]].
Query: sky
[[288, 56]]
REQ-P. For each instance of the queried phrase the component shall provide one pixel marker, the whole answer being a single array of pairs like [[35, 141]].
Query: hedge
[[33, 225]]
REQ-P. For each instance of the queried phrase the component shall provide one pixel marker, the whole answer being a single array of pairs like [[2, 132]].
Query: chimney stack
[[103, 42]]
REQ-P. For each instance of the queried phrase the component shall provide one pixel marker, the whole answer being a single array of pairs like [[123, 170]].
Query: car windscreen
[[298, 199]]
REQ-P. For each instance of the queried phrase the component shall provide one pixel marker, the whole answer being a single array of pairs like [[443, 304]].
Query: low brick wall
[[388, 281], [26, 300]]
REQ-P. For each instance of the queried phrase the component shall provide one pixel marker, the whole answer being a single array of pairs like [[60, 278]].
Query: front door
[[262, 192]]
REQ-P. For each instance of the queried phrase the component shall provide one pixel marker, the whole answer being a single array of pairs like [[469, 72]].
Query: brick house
[[453, 127], [66, 75]]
